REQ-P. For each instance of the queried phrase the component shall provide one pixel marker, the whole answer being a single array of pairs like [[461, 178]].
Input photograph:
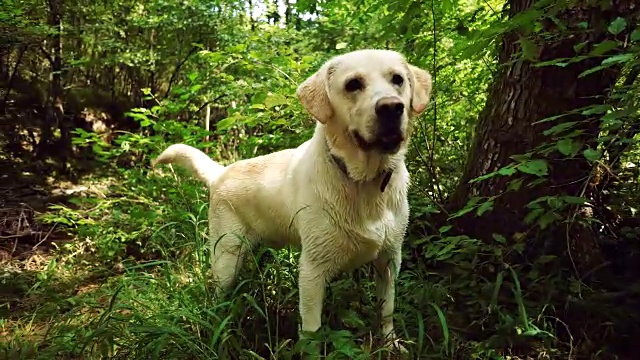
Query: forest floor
[[28, 256], [64, 295], [42, 283]]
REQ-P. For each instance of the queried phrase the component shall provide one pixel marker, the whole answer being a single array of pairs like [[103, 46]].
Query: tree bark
[[523, 94], [12, 78], [55, 112], [288, 13]]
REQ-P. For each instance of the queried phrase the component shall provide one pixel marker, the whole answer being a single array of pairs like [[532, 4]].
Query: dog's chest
[[371, 230]]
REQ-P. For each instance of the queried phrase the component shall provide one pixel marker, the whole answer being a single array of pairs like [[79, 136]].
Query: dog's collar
[[384, 175]]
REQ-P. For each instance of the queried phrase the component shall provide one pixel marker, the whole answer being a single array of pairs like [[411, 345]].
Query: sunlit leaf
[[535, 167], [591, 154], [529, 48], [617, 26]]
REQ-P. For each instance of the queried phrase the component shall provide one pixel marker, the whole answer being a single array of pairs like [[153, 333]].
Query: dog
[[341, 196]]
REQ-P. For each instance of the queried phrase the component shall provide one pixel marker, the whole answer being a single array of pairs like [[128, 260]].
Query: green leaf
[[274, 100], [617, 26], [616, 59], [592, 70], [612, 60], [526, 17], [514, 185], [483, 177], [462, 212], [446, 250], [486, 206], [529, 49], [546, 219], [471, 204], [557, 62], [521, 157], [604, 47], [447, 5], [539, 200], [507, 171], [75, 200], [473, 49], [568, 147], [635, 35], [579, 46], [499, 238], [519, 247], [559, 128], [443, 325], [596, 109], [533, 215], [591, 154], [551, 118], [535, 167], [577, 200], [226, 123], [444, 229]]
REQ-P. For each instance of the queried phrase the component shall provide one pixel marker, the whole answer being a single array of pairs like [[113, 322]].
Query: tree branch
[[210, 102], [47, 55], [177, 69]]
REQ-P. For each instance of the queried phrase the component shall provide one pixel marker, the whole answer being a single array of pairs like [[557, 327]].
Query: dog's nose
[[389, 109]]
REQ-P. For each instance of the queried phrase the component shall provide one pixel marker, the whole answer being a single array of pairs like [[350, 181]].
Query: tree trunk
[[55, 112], [12, 78], [523, 94], [288, 13]]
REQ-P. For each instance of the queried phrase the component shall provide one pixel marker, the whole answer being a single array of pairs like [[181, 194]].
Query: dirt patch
[[23, 201], [22, 235]]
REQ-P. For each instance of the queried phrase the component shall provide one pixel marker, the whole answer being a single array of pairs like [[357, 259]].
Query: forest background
[[524, 234]]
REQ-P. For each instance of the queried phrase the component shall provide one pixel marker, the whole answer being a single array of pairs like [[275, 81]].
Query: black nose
[[389, 109]]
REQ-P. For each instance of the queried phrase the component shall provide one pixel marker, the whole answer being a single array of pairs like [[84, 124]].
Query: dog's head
[[370, 96]]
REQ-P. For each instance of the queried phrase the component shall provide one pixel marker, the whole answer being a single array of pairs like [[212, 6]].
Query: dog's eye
[[397, 80], [353, 85]]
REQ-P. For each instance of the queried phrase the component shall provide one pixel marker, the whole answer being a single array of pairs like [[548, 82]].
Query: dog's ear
[[313, 96], [421, 88]]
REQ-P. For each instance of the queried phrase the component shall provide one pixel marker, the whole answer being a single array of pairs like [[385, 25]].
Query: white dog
[[341, 196]]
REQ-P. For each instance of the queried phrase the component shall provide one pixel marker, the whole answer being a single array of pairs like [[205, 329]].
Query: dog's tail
[[193, 160]]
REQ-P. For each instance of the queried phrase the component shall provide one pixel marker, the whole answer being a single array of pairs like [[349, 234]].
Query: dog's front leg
[[387, 267], [312, 281]]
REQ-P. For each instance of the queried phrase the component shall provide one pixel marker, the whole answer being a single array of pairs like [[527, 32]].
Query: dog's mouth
[[388, 143]]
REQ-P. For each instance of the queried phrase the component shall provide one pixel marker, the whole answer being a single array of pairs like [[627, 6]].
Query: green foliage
[[134, 283]]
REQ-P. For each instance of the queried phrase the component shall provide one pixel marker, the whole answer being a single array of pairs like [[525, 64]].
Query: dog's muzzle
[[388, 135], [387, 143], [389, 113]]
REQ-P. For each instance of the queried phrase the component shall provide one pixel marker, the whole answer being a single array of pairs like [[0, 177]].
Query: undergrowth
[[131, 281], [134, 285]]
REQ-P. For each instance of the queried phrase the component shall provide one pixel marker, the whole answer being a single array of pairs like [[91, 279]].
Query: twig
[[45, 237], [14, 236]]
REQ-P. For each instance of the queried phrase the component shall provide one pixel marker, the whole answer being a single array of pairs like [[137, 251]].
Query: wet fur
[[300, 197]]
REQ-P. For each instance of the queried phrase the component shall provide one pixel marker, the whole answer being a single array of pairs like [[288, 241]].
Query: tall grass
[[135, 286]]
